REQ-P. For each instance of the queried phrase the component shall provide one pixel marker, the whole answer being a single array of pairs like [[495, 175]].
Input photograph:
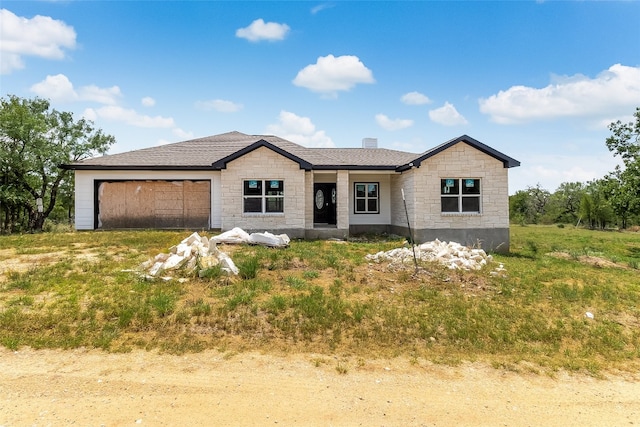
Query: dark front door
[[324, 203]]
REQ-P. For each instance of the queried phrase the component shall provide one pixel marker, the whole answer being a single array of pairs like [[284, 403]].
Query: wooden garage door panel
[[154, 204]]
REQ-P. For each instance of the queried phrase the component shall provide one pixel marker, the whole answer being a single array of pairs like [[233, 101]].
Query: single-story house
[[456, 191]]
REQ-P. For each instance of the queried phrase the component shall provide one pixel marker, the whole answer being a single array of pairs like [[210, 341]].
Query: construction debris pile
[[238, 235], [195, 253], [453, 255]]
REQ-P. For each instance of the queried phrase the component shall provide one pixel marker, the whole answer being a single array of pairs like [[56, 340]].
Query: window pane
[[360, 190], [253, 187], [449, 204], [372, 205], [471, 204], [275, 188], [275, 204], [372, 190], [470, 186], [450, 186], [360, 205], [253, 204]]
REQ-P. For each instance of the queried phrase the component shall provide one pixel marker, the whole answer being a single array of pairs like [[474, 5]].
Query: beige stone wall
[[263, 163], [462, 161], [308, 204], [405, 181], [342, 210]]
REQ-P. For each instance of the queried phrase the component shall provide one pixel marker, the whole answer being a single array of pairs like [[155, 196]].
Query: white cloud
[[148, 101], [182, 134], [260, 30], [219, 105], [613, 92], [389, 124], [331, 74], [552, 170], [39, 36], [447, 115], [101, 95], [415, 98], [321, 7], [128, 116], [59, 88], [56, 88], [300, 130]]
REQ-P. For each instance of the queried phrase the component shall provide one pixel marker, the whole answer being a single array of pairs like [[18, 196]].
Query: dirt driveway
[[91, 388]]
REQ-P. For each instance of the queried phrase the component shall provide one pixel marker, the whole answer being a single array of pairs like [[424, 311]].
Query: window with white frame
[[263, 196], [460, 195], [367, 198]]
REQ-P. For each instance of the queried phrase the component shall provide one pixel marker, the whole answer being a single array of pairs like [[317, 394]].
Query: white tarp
[[238, 235]]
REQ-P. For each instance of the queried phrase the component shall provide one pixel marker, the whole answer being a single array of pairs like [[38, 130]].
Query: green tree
[[34, 141], [623, 187], [595, 208], [564, 204], [528, 206]]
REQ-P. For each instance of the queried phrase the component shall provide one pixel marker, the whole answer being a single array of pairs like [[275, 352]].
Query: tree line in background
[[36, 139], [608, 202]]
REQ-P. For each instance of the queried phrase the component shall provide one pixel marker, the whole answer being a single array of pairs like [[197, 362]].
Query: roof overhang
[[134, 167]]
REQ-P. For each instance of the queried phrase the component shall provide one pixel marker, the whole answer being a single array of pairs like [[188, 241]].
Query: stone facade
[[264, 163], [488, 229]]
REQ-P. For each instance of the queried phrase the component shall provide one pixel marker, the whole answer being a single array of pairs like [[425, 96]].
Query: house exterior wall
[[264, 163], [403, 181], [488, 229], [374, 222], [85, 195]]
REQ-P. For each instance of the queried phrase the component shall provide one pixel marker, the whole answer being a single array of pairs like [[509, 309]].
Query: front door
[[324, 203]]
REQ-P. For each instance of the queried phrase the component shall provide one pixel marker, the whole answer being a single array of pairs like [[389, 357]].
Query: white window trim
[[460, 196]]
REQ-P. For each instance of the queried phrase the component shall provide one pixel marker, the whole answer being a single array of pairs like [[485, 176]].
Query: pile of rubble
[[453, 255], [195, 253]]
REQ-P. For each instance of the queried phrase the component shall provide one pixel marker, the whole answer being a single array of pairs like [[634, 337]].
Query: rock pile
[[195, 253], [453, 255]]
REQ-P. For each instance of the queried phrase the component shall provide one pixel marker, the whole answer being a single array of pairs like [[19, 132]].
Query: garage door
[[154, 204]]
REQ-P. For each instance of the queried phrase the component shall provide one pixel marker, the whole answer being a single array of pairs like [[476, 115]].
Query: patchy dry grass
[[65, 290]]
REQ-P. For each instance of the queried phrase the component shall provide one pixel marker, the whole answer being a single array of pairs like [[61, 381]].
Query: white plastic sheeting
[[238, 235]]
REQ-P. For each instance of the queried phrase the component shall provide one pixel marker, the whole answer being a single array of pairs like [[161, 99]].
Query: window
[[263, 196], [367, 197], [460, 195]]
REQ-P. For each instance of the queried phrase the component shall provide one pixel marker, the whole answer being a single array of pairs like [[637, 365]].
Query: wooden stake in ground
[[413, 244]]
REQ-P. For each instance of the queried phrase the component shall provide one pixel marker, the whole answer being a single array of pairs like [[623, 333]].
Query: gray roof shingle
[[212, 152]]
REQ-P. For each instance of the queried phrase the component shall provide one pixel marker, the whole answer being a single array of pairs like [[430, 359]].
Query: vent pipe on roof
[[369, 142]]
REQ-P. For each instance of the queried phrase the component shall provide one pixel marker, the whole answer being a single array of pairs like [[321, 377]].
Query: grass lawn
[[68, 290]]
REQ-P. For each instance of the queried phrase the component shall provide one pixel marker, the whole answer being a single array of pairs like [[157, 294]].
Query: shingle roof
[[213, 152]]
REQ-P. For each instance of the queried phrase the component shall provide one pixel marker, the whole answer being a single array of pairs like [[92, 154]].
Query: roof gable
[[507, 161], [222, 163]]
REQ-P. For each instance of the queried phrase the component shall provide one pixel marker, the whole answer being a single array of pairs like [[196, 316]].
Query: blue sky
[[539, 81]]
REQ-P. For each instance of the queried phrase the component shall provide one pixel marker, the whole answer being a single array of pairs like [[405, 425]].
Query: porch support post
[[342, 212], [308, 199]]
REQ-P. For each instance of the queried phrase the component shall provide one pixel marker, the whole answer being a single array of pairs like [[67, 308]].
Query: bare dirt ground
[[92, 388]]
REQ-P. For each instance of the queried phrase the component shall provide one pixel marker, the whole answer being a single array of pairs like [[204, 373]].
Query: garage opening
[[153, 204]]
